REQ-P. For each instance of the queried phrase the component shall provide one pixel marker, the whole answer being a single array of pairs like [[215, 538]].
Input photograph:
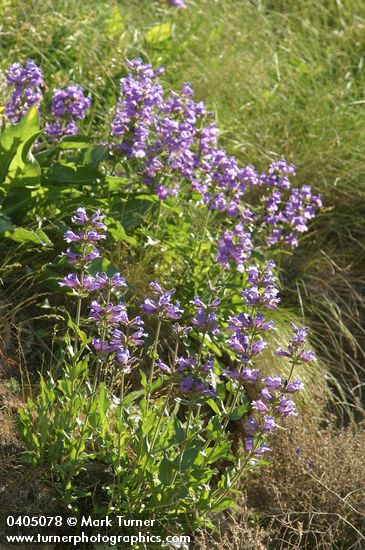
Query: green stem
[[78, 312], [154, 353]]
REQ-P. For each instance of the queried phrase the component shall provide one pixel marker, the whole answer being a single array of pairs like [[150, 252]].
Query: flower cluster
[[68, 105], [26, 83], [287, 216], [205, 318], [161, 306], [119, 336], [261, 290], [175, 142], [235, 245], [247, 344], [296, 348], [193, 375], [139, 96]]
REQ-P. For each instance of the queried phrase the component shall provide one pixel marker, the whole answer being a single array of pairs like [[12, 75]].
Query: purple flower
[[81, 236], [259, 405], [125, 360], [257, 346], [71, 280], [273, 382], [68, 104], [294, 386], [296, 347], [26, 83], [162, 306], [140, 95], [109, 314], [269, 425], [250, 375], [190, 384], [251, 426], [307, 356], [178, 3], [127, 339], [261, 290], [287, 215], [266, 394], [245, 321], [262, 449], [286, 407], [205, 317], [162, 366], [186, 363], [235, 245], [116, 281], [101, 346], [186, 384]]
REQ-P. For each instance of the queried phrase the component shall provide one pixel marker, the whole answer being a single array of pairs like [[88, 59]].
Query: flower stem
[[154, 353]]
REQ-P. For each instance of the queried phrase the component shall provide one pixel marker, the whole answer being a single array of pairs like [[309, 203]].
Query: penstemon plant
[[160, 391], [143, 395]]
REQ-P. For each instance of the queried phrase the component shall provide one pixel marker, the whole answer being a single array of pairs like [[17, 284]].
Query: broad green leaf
[[17, 163], [179, 430], [158, 34], [73, 174], [118, 233], [22, 235], [5, 224], [213, 405], [219, 506], [189, 457], [238, 412], [215, 453], [166, 472], [103, 265]]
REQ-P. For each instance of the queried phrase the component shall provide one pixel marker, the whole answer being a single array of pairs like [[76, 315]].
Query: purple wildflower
[[205, 317], [68, 104], [162, 306], [26, 83]]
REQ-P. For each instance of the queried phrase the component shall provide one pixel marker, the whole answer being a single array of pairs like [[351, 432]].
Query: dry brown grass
[[313, 494]]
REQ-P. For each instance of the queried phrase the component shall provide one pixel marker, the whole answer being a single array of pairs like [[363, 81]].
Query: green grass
[[283, 78]]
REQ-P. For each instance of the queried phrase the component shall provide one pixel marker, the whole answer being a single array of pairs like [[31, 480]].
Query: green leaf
[[16, 160], [219, 506], [118, 233], [189, 457], [159, 34], [143, 379], [73, 174], [80, 333], [5, 224], [215, 453], [179, 431], [166, 472], [238, 412], [22, 235], [213, 405], [102, 265]]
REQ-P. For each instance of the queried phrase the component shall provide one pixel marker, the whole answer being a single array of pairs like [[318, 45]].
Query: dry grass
[[313, 498]]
